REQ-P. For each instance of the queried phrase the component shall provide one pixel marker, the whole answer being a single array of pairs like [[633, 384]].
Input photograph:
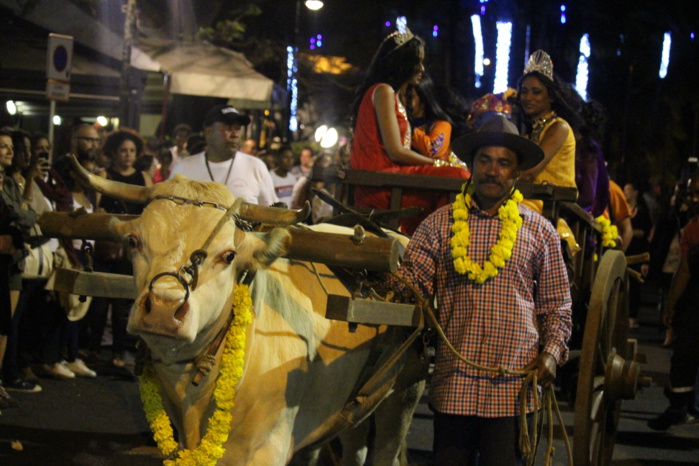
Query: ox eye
[[228, 256], [133, 242]]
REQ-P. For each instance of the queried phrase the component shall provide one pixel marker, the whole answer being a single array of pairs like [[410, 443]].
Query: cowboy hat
[[498, 131]]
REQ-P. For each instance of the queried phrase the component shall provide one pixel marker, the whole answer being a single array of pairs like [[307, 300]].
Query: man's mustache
[[487, 180]]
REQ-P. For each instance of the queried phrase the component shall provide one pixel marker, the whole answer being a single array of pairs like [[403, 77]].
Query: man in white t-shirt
[[245, 176], [282, 177]]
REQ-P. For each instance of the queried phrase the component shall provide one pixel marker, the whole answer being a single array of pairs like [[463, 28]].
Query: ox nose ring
[[179, 278]]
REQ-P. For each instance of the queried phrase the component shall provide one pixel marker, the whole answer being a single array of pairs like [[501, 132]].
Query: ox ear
[[276, 245]]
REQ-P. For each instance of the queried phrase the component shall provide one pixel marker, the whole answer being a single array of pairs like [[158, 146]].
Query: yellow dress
[[559, 171]]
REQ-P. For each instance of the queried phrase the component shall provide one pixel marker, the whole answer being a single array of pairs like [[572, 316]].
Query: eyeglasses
[[94, 140]]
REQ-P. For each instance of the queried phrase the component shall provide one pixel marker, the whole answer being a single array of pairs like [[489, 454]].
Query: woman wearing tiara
[[382, 134], [548, 117]]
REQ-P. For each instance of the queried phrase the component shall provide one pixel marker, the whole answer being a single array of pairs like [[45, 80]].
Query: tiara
[[400, 38], [540, 62]]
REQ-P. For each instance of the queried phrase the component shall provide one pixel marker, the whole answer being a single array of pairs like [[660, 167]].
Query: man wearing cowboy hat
[[495, 268]]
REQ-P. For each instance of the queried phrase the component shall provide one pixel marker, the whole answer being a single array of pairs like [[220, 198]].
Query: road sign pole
[[52, 112]]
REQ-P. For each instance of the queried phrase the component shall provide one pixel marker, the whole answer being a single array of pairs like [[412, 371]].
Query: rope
[[320, 280], [527, 446]]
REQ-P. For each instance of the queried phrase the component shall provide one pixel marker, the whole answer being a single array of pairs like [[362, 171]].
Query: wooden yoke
[[81, 225], [357, 251], [352, 251]]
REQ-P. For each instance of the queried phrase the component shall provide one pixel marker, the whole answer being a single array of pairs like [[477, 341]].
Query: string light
[[665, 59], [502, 56], [291, 85], [563, 14], [435, 30], [583, 68], [478, 38]]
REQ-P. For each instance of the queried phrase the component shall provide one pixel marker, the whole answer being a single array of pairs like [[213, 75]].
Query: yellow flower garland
[[508, 213], [609, 232], [210, 449]]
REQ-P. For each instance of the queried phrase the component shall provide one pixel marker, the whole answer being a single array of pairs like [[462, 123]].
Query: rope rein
[[528, 447]]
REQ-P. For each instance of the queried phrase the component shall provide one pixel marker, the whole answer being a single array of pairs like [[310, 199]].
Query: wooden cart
[[602, 370]]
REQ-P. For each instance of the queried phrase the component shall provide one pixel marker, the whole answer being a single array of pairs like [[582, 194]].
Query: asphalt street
[[100, 422]]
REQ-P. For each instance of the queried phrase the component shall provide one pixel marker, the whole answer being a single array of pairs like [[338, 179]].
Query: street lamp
[[326, 137], [314, 4]]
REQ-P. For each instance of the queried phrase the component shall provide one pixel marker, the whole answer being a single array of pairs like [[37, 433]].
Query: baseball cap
[[225, 114]]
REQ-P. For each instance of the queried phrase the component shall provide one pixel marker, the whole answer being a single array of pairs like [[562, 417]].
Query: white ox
[[301, 369]]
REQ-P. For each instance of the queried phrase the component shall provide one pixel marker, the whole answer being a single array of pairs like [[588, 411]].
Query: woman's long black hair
[[427, 93], [391, 65]]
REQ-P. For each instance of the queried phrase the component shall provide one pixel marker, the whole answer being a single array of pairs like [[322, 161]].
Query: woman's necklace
[[230, 167], [539, 124], [508, 213]]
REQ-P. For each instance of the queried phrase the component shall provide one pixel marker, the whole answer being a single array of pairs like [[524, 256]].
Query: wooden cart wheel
[[603, 371]]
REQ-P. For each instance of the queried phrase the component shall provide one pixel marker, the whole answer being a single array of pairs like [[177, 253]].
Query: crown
[[540, 62], [400, 38]]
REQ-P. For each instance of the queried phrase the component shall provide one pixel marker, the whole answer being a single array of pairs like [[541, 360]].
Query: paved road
[[99, 422]]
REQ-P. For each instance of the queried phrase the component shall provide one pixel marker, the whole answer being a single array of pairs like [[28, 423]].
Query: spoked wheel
[[605, 376]]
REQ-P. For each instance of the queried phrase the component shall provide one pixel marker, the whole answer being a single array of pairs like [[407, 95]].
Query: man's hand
[[38, 167], [545, 364]]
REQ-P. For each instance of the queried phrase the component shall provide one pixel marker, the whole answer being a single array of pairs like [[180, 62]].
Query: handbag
[[70, 303], [39, 262]]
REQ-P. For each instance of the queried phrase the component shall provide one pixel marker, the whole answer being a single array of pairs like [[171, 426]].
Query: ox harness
[[206, 360]]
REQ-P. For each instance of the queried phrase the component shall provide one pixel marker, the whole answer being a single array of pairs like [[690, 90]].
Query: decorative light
[[11, 107], [563, 14], [502, 56], [401, 24], [314, 4], [483, 10], [329, 138], [319, 40], [665, 59], [486, 61], [435, 30], [320, 132], [291, 85], [691, 35], [102, 120], [478, 38], [57, 120], [583, 67], [388, 24]]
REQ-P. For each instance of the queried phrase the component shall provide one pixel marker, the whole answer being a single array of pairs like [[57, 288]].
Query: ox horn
[[273, 215], [116, 189]]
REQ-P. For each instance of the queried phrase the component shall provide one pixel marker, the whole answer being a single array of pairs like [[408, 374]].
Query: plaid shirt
[[494, 324]]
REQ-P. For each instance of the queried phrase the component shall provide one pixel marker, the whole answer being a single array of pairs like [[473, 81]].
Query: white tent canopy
[[202, 69]]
